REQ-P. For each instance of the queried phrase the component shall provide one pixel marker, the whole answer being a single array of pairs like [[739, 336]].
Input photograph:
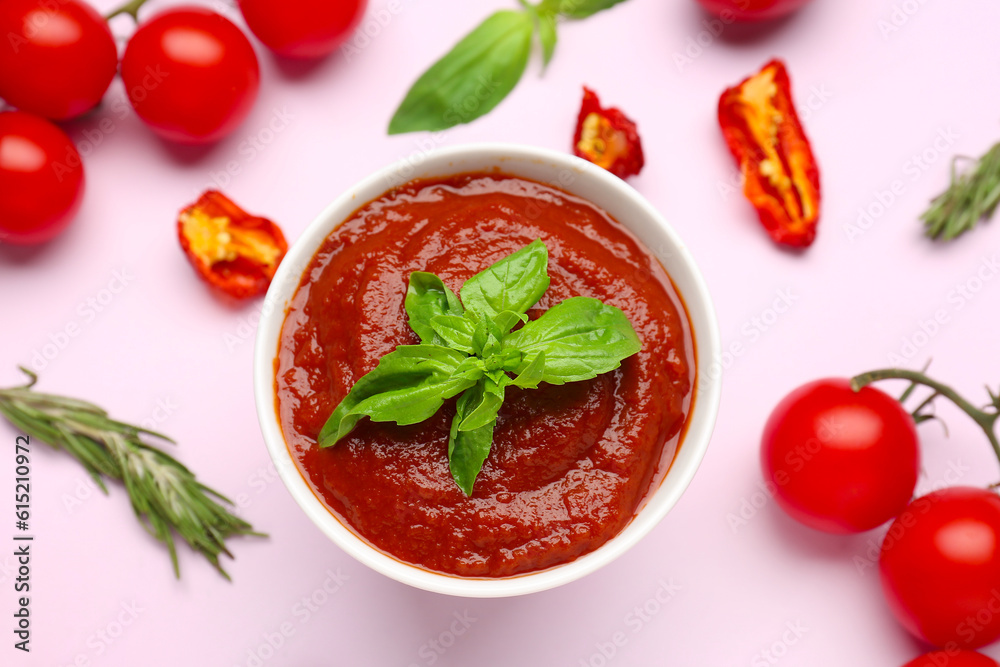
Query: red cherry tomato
[[58, 58], [840, 461], [41, 179], [940, 567], [956, 658], [751, 10], [191, 75], [305, 28]]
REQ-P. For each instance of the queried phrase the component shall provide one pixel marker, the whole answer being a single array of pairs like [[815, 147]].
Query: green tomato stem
[[131, 8], [985, 418]]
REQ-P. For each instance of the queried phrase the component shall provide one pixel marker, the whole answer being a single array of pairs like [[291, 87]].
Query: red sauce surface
[[570, 464]]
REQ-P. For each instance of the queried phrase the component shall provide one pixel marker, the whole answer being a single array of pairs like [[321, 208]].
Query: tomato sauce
[[570, 464]]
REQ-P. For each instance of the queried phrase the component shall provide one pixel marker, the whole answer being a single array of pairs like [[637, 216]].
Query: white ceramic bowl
[[577, 177]]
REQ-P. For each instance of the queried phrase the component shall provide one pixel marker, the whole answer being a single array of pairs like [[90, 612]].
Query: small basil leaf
[[426, 297], [547, 35], [455, 331], [480, 334], [581, 9], [471, 79], [515, 283], [467, 450], [533, 372], [581, 338], [486, 339], [490, 398], [408, 386], [470, 369], [506, 320], [510, 359]]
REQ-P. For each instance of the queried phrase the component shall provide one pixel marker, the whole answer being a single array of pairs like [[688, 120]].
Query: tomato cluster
[[843, 457], [190, 74]]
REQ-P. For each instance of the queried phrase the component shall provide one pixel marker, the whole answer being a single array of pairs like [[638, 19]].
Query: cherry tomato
[[191, 75], [305, 28], [751, 10], [840, 461], [940, 567], [955, 658], [41, 179], [58, 58]]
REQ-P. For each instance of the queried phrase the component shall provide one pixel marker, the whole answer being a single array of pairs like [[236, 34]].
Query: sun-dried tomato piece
[[764, 134], [607, 138], [234, 252]]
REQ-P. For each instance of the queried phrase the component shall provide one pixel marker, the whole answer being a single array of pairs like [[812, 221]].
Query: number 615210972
[[22, 480]]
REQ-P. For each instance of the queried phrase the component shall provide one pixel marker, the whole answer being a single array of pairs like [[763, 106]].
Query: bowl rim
[[507, 157]]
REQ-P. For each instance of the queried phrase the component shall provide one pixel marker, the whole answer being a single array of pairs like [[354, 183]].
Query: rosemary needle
[[166, 496], [971, 196]]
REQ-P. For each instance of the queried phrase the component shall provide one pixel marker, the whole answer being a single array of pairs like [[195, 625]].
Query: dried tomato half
[[607, 138], [764, 134], [234, 252]]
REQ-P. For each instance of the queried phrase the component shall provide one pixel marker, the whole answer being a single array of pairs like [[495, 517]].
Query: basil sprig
[[479, 71], [472, 350]]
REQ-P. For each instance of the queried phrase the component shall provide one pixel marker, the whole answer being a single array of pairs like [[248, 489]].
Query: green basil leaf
[[480, 336], [471, 79], [515, 283], [490, 398], [427, 297], [472, 368], [547, 35], [581, 338], [467, 450], [579, 9], [506, 320], [531, 375], [408, 386], [455, 331]]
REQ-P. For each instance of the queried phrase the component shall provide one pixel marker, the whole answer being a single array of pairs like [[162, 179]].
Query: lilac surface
[[742, 583]]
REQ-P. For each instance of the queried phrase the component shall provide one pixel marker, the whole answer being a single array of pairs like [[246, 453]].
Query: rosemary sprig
[[166, 496], [972, 196]]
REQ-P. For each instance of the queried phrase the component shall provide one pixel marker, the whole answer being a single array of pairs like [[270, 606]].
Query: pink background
[[162, 350]]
